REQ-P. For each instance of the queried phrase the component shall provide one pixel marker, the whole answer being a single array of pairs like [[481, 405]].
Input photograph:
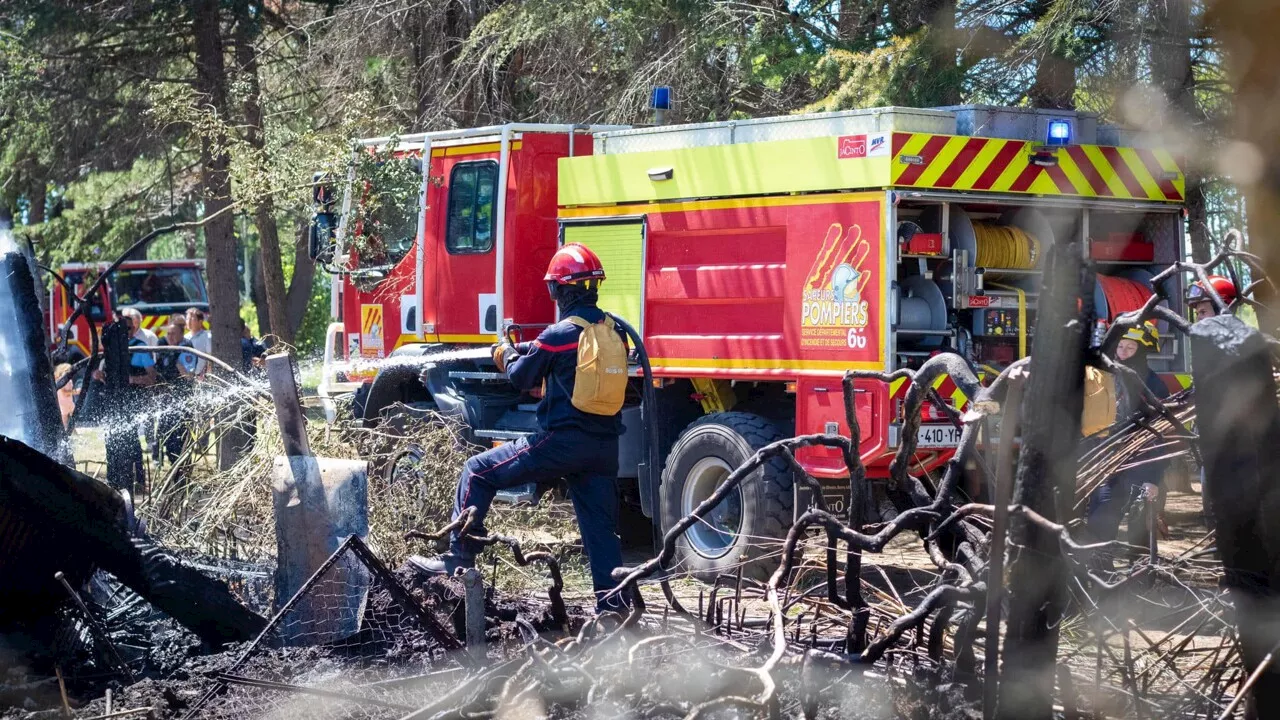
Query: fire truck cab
[[759, 260], [156, 288]]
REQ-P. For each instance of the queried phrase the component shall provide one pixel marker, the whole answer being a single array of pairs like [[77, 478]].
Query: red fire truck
[[759, 260], [155, 288]]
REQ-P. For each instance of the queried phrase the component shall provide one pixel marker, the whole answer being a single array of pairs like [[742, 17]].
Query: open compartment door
[[620, 245]]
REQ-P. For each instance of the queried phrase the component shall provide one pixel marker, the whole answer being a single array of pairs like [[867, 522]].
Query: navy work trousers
[[1109, 504], [588, 462]]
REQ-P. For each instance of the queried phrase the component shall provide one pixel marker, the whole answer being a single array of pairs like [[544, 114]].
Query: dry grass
[[229, 514]]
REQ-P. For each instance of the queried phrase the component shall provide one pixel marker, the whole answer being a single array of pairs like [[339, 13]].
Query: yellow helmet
[[1147, 336]]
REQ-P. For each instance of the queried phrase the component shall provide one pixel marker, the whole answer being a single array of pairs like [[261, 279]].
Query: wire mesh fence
[[351, 643]]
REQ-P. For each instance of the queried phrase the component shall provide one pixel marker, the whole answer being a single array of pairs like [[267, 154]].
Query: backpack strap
[[584, 324]]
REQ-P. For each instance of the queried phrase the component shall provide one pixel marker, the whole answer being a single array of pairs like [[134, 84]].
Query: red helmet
[[1223, 286], [574, 263]]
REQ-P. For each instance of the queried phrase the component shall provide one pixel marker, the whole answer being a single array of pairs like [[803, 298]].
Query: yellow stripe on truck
[[763, 168]]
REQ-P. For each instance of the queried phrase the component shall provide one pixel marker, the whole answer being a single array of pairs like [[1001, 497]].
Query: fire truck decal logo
[[852, 146], [371, 330], [834, 311]]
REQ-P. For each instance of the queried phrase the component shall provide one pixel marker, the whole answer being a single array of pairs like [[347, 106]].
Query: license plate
[[938, 436]]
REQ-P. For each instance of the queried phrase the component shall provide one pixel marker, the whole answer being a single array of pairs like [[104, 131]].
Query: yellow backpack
[[600, 382], [1099, 401]]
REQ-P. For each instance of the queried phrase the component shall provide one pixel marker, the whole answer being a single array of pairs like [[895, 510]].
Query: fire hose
[[650, 471]]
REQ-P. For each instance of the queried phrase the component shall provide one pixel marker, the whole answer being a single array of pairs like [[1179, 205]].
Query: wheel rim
[[716, 534]]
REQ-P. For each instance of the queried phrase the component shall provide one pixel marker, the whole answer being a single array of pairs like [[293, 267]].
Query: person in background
[[1110, 502], [126, 374], [148, 338], [142, 365], [66, 393], [251, 349], [175, 385], [200, 340], [1201, 307], [251, 354], [140, 332]]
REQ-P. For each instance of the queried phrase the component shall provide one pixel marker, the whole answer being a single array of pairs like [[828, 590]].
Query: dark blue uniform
[[579, 447]]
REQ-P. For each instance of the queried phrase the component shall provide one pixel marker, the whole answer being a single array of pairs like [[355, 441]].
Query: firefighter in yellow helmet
[[1110, 501]]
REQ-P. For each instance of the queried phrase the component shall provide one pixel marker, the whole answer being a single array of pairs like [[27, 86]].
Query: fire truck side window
[[94, 311], [472, 189]]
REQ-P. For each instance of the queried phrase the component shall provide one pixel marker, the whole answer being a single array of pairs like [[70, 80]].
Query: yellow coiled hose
[[1005, 246]]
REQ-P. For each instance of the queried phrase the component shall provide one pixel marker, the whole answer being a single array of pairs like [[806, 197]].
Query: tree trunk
[[258, 294], [1045, 481], [215, 179], [1197, 217], [856, 21], [1172, 73], [37, 195], [942, 41], [264, 214], [1055, 83], [302, 282], [1247, 27]]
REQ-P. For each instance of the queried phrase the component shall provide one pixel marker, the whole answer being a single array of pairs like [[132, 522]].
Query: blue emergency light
[[1059, 132], [661, 98]]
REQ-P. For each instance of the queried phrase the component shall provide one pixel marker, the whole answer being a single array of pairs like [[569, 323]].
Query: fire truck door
[[465, 297]]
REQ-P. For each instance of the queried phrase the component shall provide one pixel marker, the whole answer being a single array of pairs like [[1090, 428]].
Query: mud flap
[[648, 490]]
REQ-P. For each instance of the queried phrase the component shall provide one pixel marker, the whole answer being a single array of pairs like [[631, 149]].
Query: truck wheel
[[748, 526]]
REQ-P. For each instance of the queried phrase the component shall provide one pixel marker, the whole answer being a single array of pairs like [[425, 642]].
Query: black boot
[[443, 564]]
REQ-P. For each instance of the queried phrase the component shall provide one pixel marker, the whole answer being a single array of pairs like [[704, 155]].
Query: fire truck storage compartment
[[820, 409], [969, 272]]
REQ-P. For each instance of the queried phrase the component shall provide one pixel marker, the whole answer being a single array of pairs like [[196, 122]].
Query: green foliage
[[384, 219], [101, 215], [99, 123], [902, 72], [310, 337]]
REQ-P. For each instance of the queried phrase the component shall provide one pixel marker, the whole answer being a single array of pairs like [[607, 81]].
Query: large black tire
[[745, 530]]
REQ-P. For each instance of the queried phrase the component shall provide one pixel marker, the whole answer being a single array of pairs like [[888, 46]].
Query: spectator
[[176, 385], [140, 332], [251, 353], [66, 393], [200, 340], [148, 338], [142, 365], [251, 349]]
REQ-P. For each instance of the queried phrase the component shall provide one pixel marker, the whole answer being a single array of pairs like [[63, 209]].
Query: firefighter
[[580, 447], [1201, 304], [1109, 503]]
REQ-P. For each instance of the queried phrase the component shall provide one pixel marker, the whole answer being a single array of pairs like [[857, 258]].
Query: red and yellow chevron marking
[[954, 162], [946, 387], [154, 322], [948, 390]]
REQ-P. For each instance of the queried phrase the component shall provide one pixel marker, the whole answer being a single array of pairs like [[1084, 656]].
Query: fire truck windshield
[[158, 286], [388, 216]]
